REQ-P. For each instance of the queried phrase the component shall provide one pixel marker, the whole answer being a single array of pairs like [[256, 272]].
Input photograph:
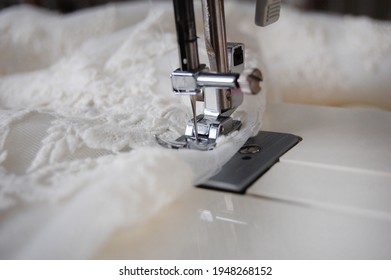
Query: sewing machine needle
[[193, 100]]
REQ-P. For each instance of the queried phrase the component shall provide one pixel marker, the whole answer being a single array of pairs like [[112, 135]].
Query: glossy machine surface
[[328, 198]]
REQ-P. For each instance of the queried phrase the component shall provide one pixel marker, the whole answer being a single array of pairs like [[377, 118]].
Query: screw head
[[250, 149], [249, 81]]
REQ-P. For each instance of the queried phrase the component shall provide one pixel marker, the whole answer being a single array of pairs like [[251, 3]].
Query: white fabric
[[328, 60], [83, 95]]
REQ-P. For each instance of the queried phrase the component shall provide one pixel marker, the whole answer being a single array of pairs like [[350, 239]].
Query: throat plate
[[256, 156]]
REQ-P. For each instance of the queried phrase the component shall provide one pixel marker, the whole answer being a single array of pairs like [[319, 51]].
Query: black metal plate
[[244, 168]]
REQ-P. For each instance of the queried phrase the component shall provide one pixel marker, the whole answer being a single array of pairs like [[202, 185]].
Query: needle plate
[[256, 156]]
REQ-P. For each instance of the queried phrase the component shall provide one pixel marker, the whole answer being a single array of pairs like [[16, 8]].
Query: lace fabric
[[81, 109]]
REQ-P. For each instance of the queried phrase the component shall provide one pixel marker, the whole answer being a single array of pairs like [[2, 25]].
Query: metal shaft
[[216, 43], [186, 34], [218, 80], [187, 41], [215, 34]]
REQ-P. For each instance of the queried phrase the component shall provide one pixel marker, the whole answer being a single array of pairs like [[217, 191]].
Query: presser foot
[[208, 130], [187, 142]]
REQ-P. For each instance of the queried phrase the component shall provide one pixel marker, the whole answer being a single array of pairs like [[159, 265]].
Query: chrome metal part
[[187, 40], [188, 83], [215, 34], [185, 83], [210, 128], [193, 101], [212, 124], [170, 144], [216, 45], [184, 142], [218, 80], [208, 131], [221, 86]]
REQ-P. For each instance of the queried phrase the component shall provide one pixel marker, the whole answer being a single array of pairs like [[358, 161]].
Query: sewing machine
[[326, 198], [225, 76], [221, 87]]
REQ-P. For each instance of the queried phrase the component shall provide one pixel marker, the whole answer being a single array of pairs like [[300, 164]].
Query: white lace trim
[[81, 111]]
